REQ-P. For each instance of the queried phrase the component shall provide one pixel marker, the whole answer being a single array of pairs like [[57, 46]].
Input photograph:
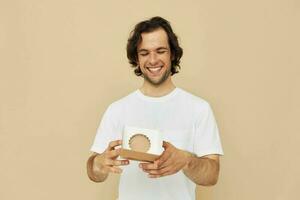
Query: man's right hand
[[107, 161]]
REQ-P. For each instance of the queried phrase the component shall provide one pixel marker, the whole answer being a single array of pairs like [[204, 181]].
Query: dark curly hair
[[148, 26]]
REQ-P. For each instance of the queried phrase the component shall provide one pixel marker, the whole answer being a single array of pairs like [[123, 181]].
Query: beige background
[[63, 62]]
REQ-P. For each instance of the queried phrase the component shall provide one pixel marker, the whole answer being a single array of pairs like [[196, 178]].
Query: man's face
[[154, 57]]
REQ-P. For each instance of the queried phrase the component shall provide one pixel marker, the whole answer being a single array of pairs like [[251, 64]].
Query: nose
[[153, 59]]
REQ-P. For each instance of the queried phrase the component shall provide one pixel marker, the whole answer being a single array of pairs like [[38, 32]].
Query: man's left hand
[[170, 162]]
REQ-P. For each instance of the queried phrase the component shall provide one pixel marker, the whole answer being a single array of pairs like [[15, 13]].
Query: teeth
[[154, 69]]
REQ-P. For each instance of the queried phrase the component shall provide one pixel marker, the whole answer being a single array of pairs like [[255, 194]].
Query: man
[[191, 138]]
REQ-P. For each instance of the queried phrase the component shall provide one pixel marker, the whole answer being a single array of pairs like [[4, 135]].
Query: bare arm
[[201, 170], [100, 165]]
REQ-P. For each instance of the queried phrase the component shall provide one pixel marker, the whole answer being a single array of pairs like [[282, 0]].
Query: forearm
[[202, 171], [94, 171]]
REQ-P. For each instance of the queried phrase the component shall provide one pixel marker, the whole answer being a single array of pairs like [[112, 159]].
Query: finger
[[166, 144], [170, 161], [159, 175], [152, 171], [120, 162], [116, 170], [161, 171], [111, 162], [113, 153], [153, 176], [113, 144], [147, 166], [163, 158]]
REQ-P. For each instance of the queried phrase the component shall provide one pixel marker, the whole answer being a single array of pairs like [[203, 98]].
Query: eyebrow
[[159, 48]]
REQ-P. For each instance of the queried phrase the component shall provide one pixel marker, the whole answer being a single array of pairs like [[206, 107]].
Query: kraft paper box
[[141, 144]]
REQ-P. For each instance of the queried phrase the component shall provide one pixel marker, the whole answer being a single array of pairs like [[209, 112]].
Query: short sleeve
[[107, 131], [207, 138]]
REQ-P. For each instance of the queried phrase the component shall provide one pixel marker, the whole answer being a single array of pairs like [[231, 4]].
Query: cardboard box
[[139, 156], [141, 144]]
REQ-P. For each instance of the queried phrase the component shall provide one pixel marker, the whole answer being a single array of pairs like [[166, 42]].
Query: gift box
[[141, 144]]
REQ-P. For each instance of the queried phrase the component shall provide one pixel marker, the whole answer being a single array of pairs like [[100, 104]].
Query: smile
[[154, 70]]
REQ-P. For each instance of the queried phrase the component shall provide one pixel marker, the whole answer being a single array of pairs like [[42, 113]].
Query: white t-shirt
[[185, 120]]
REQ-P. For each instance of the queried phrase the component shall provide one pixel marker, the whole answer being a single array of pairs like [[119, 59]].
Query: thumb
[[166, 144]]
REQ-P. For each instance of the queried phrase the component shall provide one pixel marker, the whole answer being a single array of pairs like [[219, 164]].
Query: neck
[[165, 88]]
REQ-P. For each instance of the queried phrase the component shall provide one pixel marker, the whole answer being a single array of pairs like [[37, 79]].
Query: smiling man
[[191, 138], [154, 57]]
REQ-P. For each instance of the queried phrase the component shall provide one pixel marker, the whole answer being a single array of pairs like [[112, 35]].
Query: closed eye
[[143, 54], [161, 52]]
